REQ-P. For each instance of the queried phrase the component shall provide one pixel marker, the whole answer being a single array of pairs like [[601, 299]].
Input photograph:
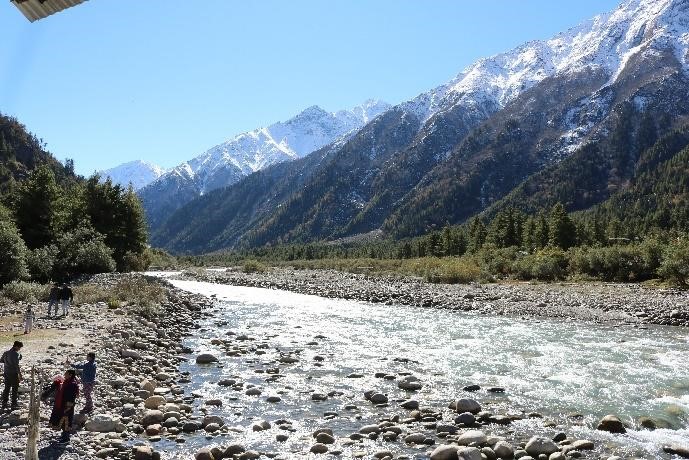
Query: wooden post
[[34, 420]]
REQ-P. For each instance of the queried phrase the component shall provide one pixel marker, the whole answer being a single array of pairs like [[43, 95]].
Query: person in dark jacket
[[66, 296], [66, 392], [88, 380], [12, 374], [53, 298]]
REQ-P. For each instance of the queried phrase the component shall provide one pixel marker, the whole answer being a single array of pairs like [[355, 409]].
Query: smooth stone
[[206, 358], [503, 449], [538, 445], [612, 424], [467, 405], [472, 437]]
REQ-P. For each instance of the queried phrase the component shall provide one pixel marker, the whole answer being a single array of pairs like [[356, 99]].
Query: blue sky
[[112, 81]]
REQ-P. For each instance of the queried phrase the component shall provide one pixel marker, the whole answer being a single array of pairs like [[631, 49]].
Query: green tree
[[562, 231], [13, 250], [37, 208], [477, 234]]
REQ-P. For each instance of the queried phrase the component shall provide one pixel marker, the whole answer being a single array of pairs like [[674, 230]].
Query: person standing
[[29, 318], [66, 296], [66, 392], [88, 380], [12, 374], [53, 298]]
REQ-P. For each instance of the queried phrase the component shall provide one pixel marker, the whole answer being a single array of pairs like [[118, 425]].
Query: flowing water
[[554, 367]]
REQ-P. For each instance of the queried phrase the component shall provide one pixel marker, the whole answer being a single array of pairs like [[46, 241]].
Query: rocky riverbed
[[591, 301], [147, 405]]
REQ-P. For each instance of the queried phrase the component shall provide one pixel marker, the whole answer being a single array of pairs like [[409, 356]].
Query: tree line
[[54, 230]]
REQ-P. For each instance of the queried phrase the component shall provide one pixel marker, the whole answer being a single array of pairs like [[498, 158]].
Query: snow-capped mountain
[[245, 153], [249, 152], [605, 43], [458, 149], [137, 173]]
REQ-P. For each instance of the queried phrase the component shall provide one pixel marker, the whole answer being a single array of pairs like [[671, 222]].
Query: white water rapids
[[554, 367]]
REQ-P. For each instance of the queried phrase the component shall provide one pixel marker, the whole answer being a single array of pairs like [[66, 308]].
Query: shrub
[[497, 261], [83, 252], [546, 265], [19, 291], [614, 263], [453, 271], [13, 252], [135, 262], [675, 264], [253, 266], [160, 259], [41, 262]]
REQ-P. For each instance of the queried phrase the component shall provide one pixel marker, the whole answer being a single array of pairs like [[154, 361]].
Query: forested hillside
[[55, 224]]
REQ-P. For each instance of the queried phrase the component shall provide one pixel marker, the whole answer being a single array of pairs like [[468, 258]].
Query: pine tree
[[562, 231], [37, 208]]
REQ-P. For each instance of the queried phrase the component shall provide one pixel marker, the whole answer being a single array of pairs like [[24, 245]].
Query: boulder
[[503, 449], [234, 449], [472, 437], [410, 383], [325, 438], [142, 453], [410, 404], [465, 418], [319, 448], [103, 423], [151, 417], [208, 419], [444, 452], [415, 438], [154, 402], [130, 354], [467, 405], [379, 398], [206, 358], [204, 454], [677, 449], [538, 445], [612, 424], [469, 453]]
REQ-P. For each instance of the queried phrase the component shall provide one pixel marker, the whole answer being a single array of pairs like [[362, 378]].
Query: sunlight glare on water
[[553, 367]]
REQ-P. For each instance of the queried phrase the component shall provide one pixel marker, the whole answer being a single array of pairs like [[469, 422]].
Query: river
[[570, 373]]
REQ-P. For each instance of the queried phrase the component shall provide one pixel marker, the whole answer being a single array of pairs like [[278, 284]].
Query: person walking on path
[[66, 392], [29, 318], [66, 296], [12, 374], [88, 380], [53, 298]]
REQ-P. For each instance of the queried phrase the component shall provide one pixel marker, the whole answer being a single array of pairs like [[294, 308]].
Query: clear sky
[[111, 81]]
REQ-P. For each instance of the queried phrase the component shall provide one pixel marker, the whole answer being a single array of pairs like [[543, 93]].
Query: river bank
[[590, 301], [132, 352]]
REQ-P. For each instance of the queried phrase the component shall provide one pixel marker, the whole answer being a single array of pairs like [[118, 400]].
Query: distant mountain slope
[[563, 119], [249, 152], [137, 173]]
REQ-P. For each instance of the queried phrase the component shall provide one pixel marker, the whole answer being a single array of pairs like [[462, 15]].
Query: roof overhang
[[39, 9]]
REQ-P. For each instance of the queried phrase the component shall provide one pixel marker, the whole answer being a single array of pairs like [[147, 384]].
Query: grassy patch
[[143, 295]]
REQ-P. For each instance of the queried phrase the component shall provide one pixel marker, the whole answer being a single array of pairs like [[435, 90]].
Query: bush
[[13, 252], [160, 259], [83, 252], [614, 263], [675, 264], [41, 262], [497, 261], [253, 266], [548, 264], [135, 262], [452, 271], [22, 291]]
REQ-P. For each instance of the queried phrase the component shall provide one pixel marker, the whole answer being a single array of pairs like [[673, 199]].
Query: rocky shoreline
[[591, 301], [144, 398], [136, 358]]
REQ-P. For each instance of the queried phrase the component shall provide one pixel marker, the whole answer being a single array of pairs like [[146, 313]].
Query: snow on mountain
[[605, 42], [308, 131], [137, 173]]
